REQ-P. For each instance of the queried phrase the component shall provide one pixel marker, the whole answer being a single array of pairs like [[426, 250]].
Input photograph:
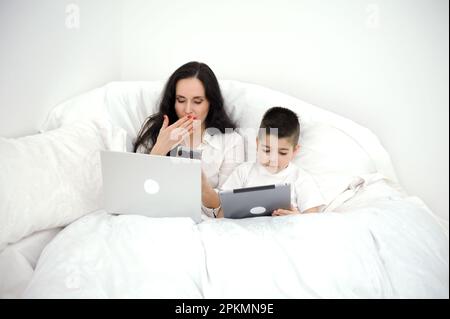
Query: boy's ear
[[296, 149]]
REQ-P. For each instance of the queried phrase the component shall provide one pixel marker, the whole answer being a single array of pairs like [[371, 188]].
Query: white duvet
[[378, 244]]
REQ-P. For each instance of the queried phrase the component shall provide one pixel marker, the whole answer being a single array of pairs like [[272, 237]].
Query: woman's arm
[[220, 213], [158, 150], [210, 198], [233, 158]]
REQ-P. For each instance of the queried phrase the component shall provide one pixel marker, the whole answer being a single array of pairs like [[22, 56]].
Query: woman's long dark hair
[[217, 117]]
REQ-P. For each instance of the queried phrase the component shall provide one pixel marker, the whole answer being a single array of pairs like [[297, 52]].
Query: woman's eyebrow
[[195, 97]]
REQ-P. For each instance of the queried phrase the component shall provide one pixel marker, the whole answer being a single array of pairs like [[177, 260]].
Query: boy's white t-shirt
[[304, 191]]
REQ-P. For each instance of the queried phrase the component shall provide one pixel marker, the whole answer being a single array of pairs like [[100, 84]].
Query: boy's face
[[275, 153]]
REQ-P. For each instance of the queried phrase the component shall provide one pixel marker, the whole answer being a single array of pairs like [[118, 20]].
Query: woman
[[192, 113]]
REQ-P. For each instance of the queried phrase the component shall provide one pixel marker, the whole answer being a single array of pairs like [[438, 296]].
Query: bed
[[372, 241]]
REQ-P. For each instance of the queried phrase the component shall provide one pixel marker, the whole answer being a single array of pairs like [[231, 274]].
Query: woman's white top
[[221, 155], [305, 193]]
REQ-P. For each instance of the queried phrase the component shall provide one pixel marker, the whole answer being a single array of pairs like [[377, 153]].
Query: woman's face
[[190, 99]]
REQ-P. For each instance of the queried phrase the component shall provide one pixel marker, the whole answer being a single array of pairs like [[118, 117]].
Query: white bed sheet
[[18, 261], [377, 244]]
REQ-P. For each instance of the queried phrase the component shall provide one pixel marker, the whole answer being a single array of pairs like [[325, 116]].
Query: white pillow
[[130, 103], [86, 106], [125, 104], [332, 157], [49, 180], [335, 148], [322, 131]]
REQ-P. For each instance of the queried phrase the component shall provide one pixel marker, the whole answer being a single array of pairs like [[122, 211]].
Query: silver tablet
[[255, 201]]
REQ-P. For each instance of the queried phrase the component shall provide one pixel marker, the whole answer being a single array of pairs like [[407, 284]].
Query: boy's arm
[[309, 197], [294, 210], [284, 212], [312, 210]]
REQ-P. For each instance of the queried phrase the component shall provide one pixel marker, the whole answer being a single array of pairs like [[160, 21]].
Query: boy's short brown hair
[[283, 119]]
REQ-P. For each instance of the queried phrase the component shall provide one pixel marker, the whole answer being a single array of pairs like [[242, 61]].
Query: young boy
[[277, 146]]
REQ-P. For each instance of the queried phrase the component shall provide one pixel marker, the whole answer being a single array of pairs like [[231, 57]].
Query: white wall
[[383, 64], [45, 59]]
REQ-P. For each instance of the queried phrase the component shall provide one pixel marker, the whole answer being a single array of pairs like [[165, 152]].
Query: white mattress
[[18, 261], [377, 244]]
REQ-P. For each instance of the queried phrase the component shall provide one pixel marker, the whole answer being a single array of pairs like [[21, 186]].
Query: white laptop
[[154, 186], [255, 201]]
